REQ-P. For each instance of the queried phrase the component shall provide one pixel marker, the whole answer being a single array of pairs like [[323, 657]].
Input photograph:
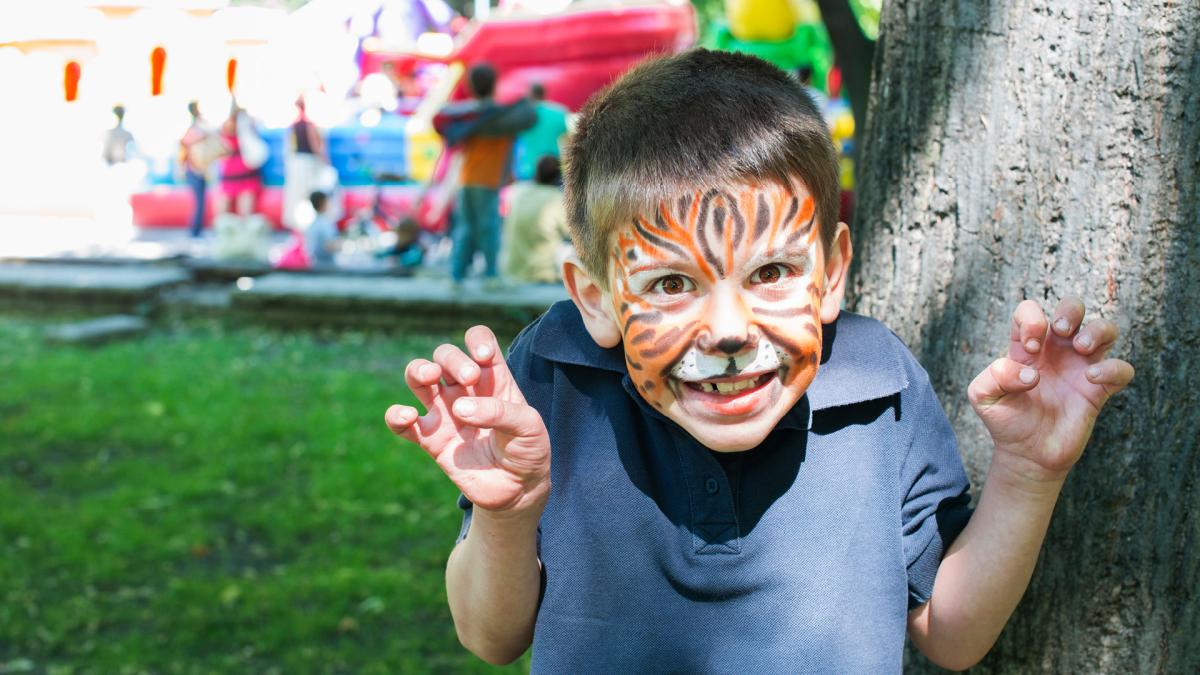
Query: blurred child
[[409, 251], [321, 239]]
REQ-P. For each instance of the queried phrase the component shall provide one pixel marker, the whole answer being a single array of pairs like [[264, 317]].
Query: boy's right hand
[[477, 427]]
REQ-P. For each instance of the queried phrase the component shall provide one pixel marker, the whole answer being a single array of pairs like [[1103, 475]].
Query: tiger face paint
[[718, 300]]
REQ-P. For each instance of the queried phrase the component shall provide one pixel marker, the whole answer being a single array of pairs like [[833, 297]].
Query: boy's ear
[[593, 304], [837, 267]]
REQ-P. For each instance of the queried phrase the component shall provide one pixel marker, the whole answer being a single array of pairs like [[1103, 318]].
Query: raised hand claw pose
[[1039, 403], [478, 427]]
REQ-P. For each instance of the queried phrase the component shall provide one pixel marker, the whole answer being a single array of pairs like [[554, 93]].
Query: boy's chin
[[731, 435]]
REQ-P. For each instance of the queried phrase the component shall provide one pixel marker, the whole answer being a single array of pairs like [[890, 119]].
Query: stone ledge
[[96, 331], [416, 303], [85, 285]]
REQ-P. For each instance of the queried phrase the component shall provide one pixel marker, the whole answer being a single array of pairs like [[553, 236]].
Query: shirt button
[[712, 486]]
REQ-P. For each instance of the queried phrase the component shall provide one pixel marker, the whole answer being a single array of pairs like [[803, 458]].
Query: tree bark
[[1037, 149]]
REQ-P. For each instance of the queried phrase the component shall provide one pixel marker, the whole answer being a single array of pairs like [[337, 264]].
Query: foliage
[[867, 12], [218, 500]]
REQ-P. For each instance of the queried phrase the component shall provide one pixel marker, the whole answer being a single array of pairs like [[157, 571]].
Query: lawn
[[208, 499]]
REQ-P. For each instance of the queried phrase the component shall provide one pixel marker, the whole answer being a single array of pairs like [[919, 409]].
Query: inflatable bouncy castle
[[409, 57]]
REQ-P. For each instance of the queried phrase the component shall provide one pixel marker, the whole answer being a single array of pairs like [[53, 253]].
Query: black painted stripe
[[802, 232], [644, 317], [658, 241], [739, 222], [763, 218]]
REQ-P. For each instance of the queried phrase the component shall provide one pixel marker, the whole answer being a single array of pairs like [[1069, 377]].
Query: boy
[[744, 478]]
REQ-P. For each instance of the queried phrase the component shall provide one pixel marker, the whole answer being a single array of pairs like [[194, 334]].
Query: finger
[[494, 375], [514, 419], [1112, 374], [406, 422], [1067, 317], [1097, 337], [482, 344], [457, 367], [400, 419], [1001, 378], [1028, 332], [422, 376]]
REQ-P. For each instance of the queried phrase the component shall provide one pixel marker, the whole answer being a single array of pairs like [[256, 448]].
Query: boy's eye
[[673, 285], [769, 274]]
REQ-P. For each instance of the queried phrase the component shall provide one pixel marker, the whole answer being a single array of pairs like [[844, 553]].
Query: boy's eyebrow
[[789, 252], [661, 263]]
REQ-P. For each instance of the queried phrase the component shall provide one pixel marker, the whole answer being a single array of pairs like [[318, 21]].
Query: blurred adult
[[544, 137], [241, 234], [483, 132], [535, 230], [303, 162], [196, 153], [118, 142], [241, 177]]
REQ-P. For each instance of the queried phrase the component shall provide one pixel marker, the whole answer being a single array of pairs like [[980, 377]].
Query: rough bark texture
[[1019, 149]]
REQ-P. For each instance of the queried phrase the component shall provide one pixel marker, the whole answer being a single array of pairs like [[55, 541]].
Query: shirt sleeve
[[934, 483]]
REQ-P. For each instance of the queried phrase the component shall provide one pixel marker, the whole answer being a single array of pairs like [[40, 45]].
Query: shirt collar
[[860, 360]]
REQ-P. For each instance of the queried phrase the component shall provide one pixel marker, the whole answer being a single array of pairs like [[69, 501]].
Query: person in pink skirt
[[241, 182]]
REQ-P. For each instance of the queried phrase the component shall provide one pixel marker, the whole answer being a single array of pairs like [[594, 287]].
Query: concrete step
[[96, 331], [412, 303], [87, 286]]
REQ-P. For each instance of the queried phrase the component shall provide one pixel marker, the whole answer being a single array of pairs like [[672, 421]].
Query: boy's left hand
[[1040, 403]]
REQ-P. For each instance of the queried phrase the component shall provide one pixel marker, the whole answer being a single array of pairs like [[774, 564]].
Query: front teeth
[[727, 387]]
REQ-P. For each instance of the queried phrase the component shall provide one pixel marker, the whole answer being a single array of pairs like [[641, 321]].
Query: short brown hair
[[692, 121]]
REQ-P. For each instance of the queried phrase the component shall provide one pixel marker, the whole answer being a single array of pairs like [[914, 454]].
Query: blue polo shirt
[[804, 554]]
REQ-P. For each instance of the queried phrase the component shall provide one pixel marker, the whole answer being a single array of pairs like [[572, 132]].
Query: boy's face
[[717, 298]]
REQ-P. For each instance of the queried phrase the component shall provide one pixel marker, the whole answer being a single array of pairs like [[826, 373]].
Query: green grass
[[205, 500]]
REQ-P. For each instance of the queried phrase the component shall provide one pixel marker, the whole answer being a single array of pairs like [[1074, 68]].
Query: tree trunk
[[1019, 149]]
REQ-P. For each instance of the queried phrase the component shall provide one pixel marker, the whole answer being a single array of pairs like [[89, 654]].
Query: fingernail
[[428, 372], [1032, 346], [1027, 375], [464, 408], [1093, 372], [484, 352], [466, 373], [1061, 325], [1085, 341]]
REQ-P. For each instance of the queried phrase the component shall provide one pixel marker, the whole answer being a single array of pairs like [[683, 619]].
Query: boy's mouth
[[728, 387], [729, 398]]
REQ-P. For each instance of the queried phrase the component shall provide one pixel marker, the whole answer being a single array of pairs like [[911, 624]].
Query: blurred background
[[225, 227]]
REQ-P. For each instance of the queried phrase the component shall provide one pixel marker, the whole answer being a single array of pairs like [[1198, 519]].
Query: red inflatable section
[[572, 54], [171, 206]]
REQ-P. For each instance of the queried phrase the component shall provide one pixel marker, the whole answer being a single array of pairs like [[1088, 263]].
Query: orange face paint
[[718, 298]]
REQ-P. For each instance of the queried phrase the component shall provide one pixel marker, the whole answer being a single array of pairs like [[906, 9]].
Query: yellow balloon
[[846, 173], [843, 126], [760, 20]]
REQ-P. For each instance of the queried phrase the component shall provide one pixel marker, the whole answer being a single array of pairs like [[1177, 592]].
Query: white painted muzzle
[[697, 365]]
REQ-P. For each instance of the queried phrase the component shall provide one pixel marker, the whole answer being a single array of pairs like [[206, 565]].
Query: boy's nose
[[732, 345], [729, 330]]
